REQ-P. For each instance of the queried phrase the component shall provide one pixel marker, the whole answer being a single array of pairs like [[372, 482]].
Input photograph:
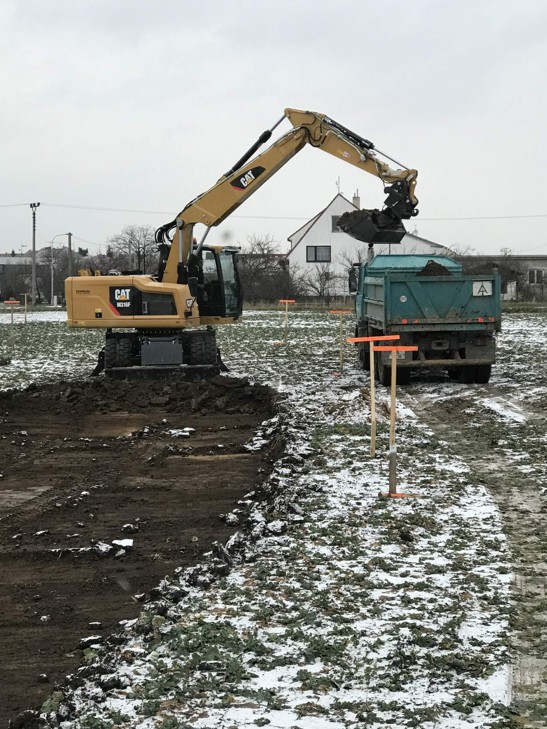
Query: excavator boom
[[249, 173]]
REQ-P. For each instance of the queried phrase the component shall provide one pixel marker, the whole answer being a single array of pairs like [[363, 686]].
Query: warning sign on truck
[[482, 288]]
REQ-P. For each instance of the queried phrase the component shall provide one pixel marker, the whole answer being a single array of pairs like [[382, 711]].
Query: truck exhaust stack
[[373, 226]]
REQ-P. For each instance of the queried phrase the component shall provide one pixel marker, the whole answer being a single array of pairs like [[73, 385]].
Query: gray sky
[[137, 105]]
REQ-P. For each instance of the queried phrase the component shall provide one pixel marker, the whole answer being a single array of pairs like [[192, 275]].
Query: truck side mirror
[[352, 280]]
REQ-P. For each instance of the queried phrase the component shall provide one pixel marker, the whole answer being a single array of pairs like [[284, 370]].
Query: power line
[[15, 205], [170, 213], [286, 217], [488, 217]]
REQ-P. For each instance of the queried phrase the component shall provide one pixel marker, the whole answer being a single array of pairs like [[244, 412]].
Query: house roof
[[305, 229]]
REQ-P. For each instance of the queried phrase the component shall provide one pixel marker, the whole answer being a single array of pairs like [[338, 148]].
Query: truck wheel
[[483, 373], [468, 374], [110, 354], [364, 357], [403, 375], [124, 352], [384, 375]]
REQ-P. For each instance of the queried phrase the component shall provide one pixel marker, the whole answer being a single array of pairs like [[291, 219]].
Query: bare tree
[[261, 268], [347, 259], [320, 281], [134, 247]]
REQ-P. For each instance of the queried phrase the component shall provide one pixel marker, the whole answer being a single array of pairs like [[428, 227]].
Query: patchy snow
[[344, 609]]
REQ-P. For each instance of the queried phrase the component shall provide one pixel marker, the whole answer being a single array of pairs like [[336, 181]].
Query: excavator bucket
[[373, 226]]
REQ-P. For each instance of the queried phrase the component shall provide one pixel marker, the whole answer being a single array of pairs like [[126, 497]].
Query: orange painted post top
[[287, 301], [384, 337], [341, 311], [396, 349], [11, 301]]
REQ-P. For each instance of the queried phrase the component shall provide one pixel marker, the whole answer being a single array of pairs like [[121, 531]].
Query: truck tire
[[110, 354], [468, 374], [384, 375], [483, 373], [124, 352], [403, 375], [364, 357]]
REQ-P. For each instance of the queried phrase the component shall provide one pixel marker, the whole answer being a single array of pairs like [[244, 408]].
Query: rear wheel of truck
[[483, 373], [403, 375], [384, 374], [468, 374], [364, 357]]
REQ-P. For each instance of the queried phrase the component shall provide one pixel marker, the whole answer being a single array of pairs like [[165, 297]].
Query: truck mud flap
[[373, 226]]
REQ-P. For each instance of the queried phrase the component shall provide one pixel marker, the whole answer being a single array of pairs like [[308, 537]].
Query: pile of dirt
[[107, 486]]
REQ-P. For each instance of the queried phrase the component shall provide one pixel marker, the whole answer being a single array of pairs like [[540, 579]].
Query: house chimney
[[357, 200]]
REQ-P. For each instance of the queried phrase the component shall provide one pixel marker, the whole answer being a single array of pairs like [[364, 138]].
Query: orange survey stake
[[382, 338], [401, 348]]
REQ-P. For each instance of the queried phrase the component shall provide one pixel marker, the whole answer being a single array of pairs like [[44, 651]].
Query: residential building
[[324, 254]]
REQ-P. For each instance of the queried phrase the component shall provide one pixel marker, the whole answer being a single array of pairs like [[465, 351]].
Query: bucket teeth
[[372, 226]]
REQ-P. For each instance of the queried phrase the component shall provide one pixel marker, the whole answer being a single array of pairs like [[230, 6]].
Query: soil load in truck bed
[[105, 488]]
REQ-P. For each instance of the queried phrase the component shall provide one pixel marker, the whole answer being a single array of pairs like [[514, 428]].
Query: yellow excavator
[[154, 320]]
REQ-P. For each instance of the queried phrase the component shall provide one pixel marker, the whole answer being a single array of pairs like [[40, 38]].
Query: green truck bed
[[397, 296], [452, 317]]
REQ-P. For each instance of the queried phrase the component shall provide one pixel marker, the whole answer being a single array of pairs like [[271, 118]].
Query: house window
[[318, 254], [335, 219], [535, 276]]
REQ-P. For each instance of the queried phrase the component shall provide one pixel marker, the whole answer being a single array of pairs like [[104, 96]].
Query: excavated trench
[[105, 488]]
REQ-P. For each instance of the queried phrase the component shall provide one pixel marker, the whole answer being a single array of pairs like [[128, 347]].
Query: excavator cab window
[[218, 284], [230, 282]]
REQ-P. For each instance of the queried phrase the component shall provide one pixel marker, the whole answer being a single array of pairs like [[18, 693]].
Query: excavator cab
[[218, 287]]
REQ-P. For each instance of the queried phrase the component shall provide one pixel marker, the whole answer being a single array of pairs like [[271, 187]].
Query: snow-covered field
[[342, 608]]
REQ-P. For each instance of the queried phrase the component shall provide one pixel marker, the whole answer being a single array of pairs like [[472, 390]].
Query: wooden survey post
[[286, 327], [393, 408], [26, 304], [342, 313], [371, 340], [11, 303]]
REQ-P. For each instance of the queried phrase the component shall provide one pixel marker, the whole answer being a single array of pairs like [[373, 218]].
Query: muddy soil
[[508, 454], [149, 465]]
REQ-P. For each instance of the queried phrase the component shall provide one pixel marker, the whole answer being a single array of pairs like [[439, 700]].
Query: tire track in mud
[[505, 446]]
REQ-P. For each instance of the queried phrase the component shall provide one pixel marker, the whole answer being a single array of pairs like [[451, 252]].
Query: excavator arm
[[247, 175]]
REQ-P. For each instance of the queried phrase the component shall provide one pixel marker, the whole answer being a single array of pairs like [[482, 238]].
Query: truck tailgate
[[456, 301]]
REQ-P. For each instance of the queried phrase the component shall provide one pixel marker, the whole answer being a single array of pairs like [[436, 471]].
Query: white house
[[324, 254]]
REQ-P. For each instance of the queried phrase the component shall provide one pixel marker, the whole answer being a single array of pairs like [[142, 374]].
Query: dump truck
[[428, 300]]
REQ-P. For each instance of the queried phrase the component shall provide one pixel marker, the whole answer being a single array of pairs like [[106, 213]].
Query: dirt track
[[508, 453], [83, 465]]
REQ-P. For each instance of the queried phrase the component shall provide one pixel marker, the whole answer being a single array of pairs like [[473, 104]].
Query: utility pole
[[33, 207], [69, 254]]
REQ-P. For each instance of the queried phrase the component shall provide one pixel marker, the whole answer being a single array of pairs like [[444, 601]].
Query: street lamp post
[[51, 261], [33, 207]]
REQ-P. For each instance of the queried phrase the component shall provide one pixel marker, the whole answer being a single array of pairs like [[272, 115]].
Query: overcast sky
[[130, 105]]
